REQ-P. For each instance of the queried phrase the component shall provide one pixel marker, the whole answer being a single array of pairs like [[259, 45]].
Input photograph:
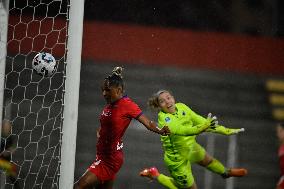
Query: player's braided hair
[[153, 101], [115, 79]]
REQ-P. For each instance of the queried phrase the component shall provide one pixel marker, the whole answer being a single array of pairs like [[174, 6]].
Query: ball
[[44, 64]]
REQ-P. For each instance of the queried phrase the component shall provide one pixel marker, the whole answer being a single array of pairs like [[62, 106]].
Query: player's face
[[167, 102], [111, 93], [280, 133]]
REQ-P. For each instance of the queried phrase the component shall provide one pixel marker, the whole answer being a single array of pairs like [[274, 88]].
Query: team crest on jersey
[[167, 119]]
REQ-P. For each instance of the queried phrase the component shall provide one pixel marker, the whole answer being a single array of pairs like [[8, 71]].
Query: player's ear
[[119, 90]]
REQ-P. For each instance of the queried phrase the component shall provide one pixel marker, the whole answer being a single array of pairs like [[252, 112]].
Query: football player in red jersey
[[280, 135], [114, 120]]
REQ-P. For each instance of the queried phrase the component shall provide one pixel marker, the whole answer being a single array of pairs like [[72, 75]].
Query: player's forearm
[[188, 131], [150, 125], [219, 129]]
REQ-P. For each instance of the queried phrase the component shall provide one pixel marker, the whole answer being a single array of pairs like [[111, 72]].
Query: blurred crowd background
[[252, 17]]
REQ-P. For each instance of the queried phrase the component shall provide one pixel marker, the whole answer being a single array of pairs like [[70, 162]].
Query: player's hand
[[211, 121], [236, 131], [165, 131]]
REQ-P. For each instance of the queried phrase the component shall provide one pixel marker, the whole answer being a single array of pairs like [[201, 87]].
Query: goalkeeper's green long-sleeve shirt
[[185, 125], [182, 125]]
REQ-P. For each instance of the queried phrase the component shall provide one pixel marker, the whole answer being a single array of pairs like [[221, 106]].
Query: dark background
[[253, 17]]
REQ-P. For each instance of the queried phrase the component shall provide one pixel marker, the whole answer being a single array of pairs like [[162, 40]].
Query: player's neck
[[113, 101]]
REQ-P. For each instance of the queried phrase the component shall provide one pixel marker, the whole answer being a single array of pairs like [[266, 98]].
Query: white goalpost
[[42, 111], [68, 149], [4, 7]]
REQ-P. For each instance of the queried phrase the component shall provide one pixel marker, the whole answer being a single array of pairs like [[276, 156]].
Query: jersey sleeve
[[177, 129], [133, 110], [188, 131], [195, 118], [220, 129]]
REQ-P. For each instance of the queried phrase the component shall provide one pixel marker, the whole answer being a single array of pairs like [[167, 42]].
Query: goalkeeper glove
[[213, 120], [236, 131], [225, 131]]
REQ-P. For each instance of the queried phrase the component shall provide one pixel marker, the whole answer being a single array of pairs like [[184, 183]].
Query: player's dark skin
[[112, 94]]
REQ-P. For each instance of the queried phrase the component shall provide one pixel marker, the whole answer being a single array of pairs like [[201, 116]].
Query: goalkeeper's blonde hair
[[153, 101]]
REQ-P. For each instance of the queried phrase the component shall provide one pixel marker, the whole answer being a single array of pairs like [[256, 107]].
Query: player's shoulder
[[163, 117], [161, 114], [127, 101], [181, 105]]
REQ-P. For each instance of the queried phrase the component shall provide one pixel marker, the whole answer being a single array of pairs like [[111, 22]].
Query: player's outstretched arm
[[219, 129], [152, 126], [195, 129]]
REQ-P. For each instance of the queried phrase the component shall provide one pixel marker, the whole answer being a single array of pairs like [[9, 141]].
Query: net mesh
[[33, 104]]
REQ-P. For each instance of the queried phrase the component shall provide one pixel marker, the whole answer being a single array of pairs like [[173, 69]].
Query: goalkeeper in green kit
[[181, 148]]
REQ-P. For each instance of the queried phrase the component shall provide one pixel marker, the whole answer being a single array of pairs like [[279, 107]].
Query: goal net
[[32, 104]]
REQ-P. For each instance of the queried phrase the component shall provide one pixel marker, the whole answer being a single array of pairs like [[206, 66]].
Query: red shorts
[[105, 167]]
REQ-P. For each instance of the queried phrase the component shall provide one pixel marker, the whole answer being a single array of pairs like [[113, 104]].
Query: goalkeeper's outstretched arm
[[219, 129], [196, 129]]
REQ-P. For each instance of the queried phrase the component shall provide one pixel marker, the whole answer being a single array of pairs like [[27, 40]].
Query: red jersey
[[281, 158], [114, 120], [281, 161]]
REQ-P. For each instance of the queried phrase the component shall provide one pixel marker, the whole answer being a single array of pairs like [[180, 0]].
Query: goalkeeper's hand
[[224, 131], [211, 120], [236, 131]]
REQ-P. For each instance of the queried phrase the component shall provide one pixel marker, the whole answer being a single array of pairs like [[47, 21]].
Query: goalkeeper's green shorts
[[181, 170]]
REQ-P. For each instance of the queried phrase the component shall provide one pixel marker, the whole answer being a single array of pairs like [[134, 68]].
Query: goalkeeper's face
[[167, 102]]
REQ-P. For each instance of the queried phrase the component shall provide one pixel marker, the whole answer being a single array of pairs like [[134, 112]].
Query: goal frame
[[3, 53], [71, 97]]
